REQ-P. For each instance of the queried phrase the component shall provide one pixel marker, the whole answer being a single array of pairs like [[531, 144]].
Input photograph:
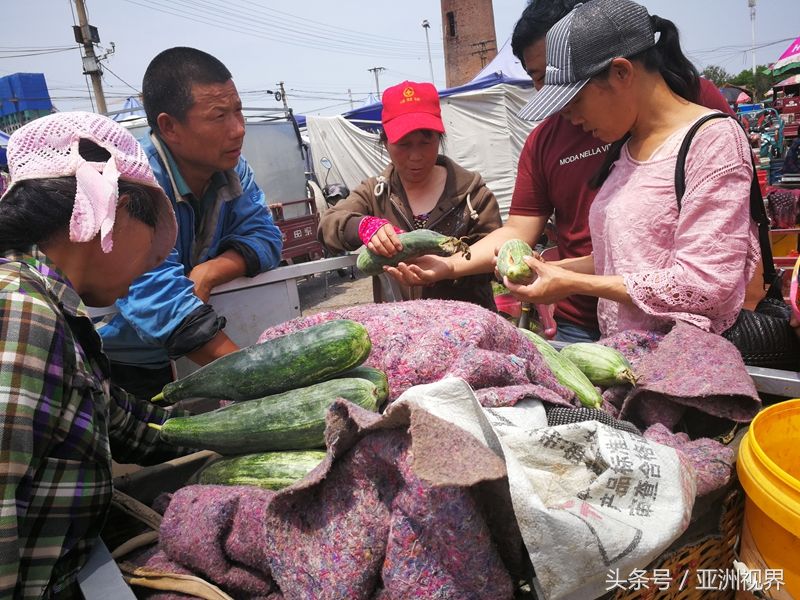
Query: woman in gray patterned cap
[[656, 259]]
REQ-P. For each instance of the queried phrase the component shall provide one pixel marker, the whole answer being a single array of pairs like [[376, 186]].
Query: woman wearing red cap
[[419, 189]]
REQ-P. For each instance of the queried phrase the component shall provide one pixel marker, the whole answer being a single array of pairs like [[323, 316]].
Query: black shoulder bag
[[763, 336]]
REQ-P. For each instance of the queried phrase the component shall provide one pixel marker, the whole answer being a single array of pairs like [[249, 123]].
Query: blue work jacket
[[161, 299]]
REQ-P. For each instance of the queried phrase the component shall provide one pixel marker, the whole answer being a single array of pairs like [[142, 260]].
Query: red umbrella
[[793, 80]]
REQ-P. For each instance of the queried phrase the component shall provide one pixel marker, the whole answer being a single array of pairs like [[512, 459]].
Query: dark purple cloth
[[688, 369]]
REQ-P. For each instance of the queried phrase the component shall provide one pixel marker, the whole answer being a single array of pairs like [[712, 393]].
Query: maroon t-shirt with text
[[555, 167]]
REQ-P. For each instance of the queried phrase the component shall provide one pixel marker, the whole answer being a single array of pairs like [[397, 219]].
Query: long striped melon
[[293, 420], [269, 470], [415, 243], [374, 375], [602, 365], [290, 361], [566, 372]]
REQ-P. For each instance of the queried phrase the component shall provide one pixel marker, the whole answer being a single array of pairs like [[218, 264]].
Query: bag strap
[[757, 211]]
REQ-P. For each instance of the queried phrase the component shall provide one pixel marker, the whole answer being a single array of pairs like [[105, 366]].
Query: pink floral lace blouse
[[693, 266]]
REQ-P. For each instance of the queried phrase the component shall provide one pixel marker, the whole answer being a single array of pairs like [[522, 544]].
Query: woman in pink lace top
[[652, 264]]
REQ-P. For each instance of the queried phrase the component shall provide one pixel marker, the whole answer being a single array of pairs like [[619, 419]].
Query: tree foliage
[[760, 85], [716, 75]]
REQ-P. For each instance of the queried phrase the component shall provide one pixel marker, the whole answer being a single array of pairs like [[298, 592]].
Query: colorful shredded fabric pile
[[384, 516], [684, 375], [422, 341]]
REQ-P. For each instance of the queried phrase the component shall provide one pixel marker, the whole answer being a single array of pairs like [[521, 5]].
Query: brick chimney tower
[[469, 38]]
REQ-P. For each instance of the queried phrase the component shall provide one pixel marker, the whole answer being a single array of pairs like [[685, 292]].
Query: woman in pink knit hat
[[82, 218]]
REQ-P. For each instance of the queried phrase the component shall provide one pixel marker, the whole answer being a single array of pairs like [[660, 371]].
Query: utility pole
[[426, 26], [483, 51], [375, 71], [752, 5], [350, 95], [87, 35], [282, 95]]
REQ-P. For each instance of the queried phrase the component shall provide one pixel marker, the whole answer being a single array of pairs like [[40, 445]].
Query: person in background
[[655, 260], [555, 166], [225, 229], [3, 180], [419, 189], [83, 217]]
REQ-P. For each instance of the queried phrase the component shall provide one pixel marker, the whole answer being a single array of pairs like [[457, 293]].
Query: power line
[[304, 21], [326, 107], [744, 46], [256, 27], [34, 48], [408, 76], [38, 53], [301, 28], [122, 80], [723, 54]]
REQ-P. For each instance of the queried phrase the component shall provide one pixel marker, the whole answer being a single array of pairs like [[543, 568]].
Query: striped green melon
[[415, 244], [510, 263], [269, 470], [374, 375], [292, 420], [290, 361], [566, 372]]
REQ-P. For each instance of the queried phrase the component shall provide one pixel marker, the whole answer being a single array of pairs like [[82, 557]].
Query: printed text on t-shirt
[[585, 154]]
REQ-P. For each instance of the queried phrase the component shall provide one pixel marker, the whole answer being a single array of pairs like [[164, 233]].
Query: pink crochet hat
[[48, 147]]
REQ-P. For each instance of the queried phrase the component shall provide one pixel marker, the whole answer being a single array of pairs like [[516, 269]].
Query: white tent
[[484, 133]]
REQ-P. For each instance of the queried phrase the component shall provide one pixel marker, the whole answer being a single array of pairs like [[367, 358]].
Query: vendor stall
[[482, 476]]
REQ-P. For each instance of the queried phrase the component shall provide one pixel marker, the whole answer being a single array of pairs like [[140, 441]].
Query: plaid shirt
[[60, 423]]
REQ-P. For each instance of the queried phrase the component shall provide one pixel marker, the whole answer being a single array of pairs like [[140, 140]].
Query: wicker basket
[[714, 550]]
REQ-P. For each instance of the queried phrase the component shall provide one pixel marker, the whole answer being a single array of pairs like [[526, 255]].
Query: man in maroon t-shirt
[[555, 167]]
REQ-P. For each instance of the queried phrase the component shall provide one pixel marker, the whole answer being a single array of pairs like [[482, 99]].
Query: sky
[[323, 50]]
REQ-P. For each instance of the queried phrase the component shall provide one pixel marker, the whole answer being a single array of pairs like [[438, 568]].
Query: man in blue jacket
[[225, 229]]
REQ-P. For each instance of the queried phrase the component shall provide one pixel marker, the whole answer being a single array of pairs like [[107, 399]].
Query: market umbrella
[[789, 61], [793, 80], [731, 92], [742, 97]]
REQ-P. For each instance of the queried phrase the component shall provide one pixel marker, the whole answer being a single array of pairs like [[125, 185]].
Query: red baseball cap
[[410, 106]]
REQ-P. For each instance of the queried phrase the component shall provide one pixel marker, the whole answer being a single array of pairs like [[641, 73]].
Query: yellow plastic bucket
[[769, 470]]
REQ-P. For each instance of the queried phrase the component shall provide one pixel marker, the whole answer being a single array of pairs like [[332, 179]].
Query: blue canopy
[[132, 109], [372, 112], [24, 92], [503, 68]]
